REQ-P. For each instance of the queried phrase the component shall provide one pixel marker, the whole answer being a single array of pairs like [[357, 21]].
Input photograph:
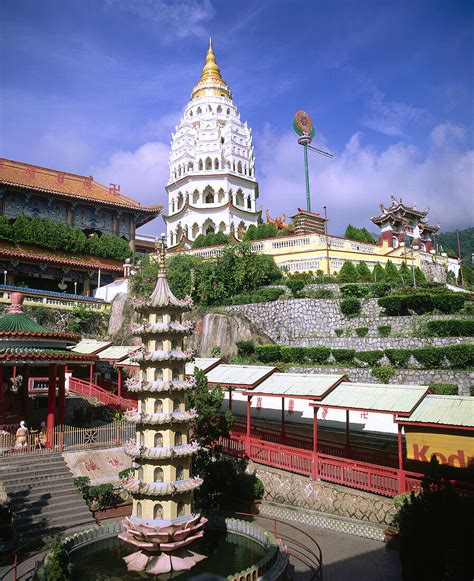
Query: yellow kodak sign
[[450, 449]]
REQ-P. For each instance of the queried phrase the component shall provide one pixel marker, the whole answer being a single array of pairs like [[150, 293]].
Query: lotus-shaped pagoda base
[[162, 546]]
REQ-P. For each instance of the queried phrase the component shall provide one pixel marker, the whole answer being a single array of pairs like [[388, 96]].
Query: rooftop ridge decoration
[[162, 524], [211, 78]]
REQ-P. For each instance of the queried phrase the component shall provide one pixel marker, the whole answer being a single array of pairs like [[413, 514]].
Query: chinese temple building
[[73, 200], [162, 522], [403, 223], [212, 185], [28, 349]]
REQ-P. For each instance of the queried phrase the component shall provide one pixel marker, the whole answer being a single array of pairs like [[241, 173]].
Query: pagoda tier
[[163, 484]]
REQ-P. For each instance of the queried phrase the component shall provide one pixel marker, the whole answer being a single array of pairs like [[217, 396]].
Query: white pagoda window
[[209, 193], [199, 111], [158, 406], [179, 473], [140, 473], [195, 197], [200, 165], [139, 509], [180, 509], [158, 512], [142, 439], [219, 109], [158, 374], [195, 230], [216, 163], [175, 374], [158, 440], [208, 163], [158, 475], [239, 167], [178, 439]]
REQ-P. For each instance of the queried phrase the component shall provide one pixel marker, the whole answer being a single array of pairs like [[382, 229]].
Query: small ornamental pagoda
[[403, 223], [162, 522]]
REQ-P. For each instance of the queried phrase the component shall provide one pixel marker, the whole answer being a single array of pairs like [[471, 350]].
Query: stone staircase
[[42, 496]]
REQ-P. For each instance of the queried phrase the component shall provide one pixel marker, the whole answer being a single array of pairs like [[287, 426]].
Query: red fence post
[[401, 471], [247, 437], [51, 407], [314, 471]]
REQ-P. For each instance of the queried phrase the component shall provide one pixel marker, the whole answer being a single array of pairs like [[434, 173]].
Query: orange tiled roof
[[35, 177], [33, 253]]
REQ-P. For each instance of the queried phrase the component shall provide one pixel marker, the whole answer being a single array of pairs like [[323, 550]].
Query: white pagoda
[[212, 185]]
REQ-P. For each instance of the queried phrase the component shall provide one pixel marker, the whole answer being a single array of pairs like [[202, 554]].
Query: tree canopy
[[359, 234]]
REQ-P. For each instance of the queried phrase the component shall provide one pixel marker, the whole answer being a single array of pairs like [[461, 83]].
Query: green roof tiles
[[448, 410], [375, 397], [20, 323]]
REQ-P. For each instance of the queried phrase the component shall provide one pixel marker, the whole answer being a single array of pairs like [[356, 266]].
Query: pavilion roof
[[38, 354], [51, 181], [203, 363], [17, 325], [377, 397], [90, 346], [245, 376], [300, 385], [30, 252], [116, 352], [444, 410]]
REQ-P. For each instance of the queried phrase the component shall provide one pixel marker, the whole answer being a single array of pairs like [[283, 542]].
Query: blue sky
[[97, 86]]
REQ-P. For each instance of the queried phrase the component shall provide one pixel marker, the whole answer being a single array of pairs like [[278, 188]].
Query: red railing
[[291, 459], [102, 395]]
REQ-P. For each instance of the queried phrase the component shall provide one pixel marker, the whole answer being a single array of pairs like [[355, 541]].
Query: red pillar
[[91, 374], [51, 406], [282, 420], [230, 399], [61, 394], [401, 472], [247, 439], [315, 443], [120, 379], [26, 380], [348, 436]]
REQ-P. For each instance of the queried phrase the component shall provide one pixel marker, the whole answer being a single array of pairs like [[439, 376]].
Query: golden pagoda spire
[[211, 81]]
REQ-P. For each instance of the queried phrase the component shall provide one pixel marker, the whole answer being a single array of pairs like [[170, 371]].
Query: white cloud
[[175, 18], [359, 178], [447, 134]]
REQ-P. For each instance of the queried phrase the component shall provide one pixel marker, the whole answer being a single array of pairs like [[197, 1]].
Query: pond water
[[227, 553]]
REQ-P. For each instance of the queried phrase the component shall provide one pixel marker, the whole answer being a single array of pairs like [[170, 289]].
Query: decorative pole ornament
[[304, 127]]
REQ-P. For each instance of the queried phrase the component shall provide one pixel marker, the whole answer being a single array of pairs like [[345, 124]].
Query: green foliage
[[362, 331], [450, 328], [355, 290], [295, 285], [57, 564], [260, 232], [263, 295], [216, 351], [383, 373], [460, 356], [370, 357], [211, 239], [398, 357], [345, 356], [318, 354], [6, 231], [209, 424], [86, 321], [364, 272], [339, 332], [268, 353], [391, 273], [429, 357], [42, 315], [419, 276], [405, 274], [319, 293], [350, 307], [293, 354], [58, 236], [378, 273], [436, 531], [348, 273], [380, 289], [421, 303], [444, 388], [124, 474], [449, 303], [449, 242], [384, 330], [97, 497], [245, 348], [358, 234]]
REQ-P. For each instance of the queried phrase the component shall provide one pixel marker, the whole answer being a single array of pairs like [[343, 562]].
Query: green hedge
[[245, 348], [358, 291], [460, 356], [350, 306], [421, 303], [362, 331], [398, 357], [444, 388], [370, 357], [268, 353], [263, 295], [293, 354], [451, 328], [429, 357], [344, 355], [384, 330], [318, 354]]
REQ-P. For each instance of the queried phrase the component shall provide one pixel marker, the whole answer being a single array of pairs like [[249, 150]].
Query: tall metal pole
[[460, 259], [328, 268], [306, 173]]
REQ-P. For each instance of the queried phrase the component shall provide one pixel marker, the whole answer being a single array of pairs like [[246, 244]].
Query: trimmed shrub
[[295, 285], [380, 289], [350, 307], [362, 331], [354, 290], [384, 330], [245, 348], [344, 355], [268, 353], [398, 357], [451, 328], [449, 303], [263, 295], [421, 302], [429, 357], [444, 388], [348, 273], [318, 354], [293, 354], [339, 332], [460, 356], [393, 305], [370, 357], [384, 373], [391, 273], [320, 293], [364, 272]]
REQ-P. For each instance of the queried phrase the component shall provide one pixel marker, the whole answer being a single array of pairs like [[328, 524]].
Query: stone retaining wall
[[463, 379], [286, 321], [300, 491]]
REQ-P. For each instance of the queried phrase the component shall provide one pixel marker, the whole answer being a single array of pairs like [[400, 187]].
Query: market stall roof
[[90, 346], [377, 397], [203, 363], [443, 410], [243, 376], [116, 352], [297, 385]]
